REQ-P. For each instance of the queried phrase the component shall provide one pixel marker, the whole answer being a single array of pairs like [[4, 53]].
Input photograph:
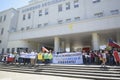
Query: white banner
[[68, 58], [24, 55]]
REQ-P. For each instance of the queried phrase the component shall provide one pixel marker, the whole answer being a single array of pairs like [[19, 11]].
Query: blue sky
[[6, 4]]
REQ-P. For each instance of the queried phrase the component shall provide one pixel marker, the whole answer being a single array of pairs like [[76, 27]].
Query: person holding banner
[[25, 59], [33, 57]]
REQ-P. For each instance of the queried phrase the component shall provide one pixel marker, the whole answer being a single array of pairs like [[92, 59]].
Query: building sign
[[42, 4], [68, 58]]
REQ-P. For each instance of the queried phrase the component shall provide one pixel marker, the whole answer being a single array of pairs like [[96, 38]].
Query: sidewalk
[[21, 76]]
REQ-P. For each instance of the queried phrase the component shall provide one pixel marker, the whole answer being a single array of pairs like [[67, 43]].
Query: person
[[33, 58], [84, 56], [116, 57], [40, 57], [100, 57], [46, 57], [16, 57], [21, 57], [10, 58], [50, 57], [103, 58]]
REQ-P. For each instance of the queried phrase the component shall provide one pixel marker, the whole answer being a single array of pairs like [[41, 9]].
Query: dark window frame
[[60, 8], [68, 6]]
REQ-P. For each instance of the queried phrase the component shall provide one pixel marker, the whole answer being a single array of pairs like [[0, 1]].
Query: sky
[[6, 4]]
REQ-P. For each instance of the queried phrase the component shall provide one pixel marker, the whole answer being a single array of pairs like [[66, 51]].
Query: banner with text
[[68, 58], [23, 55]]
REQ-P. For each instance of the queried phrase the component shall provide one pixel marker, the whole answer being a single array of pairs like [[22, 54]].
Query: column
[[56, 44], [95, 41], [118, 37], [63, 45], [67, 48], [38, 47]]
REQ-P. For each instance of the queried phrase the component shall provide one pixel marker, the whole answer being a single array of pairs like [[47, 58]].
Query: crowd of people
[[100, 57], [103, 57], [20, 58]]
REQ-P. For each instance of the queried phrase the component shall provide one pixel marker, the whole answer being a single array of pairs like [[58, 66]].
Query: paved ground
[[21, 76]]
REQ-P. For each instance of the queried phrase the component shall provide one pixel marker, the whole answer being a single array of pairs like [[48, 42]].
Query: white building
[[66, 25], [8, 22]]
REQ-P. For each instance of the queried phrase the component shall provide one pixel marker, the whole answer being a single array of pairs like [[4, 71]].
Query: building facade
[[8, 22], [65, 25]]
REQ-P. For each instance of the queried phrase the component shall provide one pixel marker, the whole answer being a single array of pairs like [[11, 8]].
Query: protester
[[33, 58], [84, 54], [104, 52], [116, 56], [40, 58], [50, 57], [46, 58], [16, 57]]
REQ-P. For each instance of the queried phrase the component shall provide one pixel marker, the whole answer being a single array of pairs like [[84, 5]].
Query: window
[[2, 30], [13, 50], [96, 1], [2, 50], [24, 17], [45, 24], [46, 11], [68, 20], [0, 41], [22, 29], [76, 3], [27, 28], [67, 5], [100, 14], [4, 18], [60, 21], [40, 12], [29, 15], [60, 8], [39, 25], [0, 18], [8, 50], [77, 18], [113, 12]]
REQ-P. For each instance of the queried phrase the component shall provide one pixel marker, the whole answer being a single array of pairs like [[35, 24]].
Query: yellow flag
[[70, 26]]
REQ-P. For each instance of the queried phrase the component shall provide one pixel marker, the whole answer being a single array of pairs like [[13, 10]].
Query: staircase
[[73, 71]]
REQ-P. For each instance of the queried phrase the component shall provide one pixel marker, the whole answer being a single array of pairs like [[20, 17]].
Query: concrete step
[[66, 75], [79, 71], [67, 72]]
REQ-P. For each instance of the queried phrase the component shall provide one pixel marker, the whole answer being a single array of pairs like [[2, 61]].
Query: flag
[[113, 44], [44, 49], [70, 26]]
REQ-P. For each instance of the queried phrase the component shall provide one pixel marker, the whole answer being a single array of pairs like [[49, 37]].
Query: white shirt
[[104, 55]]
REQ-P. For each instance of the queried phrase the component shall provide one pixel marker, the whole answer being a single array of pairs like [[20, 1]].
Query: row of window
[[40, 14], [60, 8], [46, 24], [100, 14], [68, 5], [113, 12], [51, 2], [29, 16], [13, 50], [2, 18], [54, 2]]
